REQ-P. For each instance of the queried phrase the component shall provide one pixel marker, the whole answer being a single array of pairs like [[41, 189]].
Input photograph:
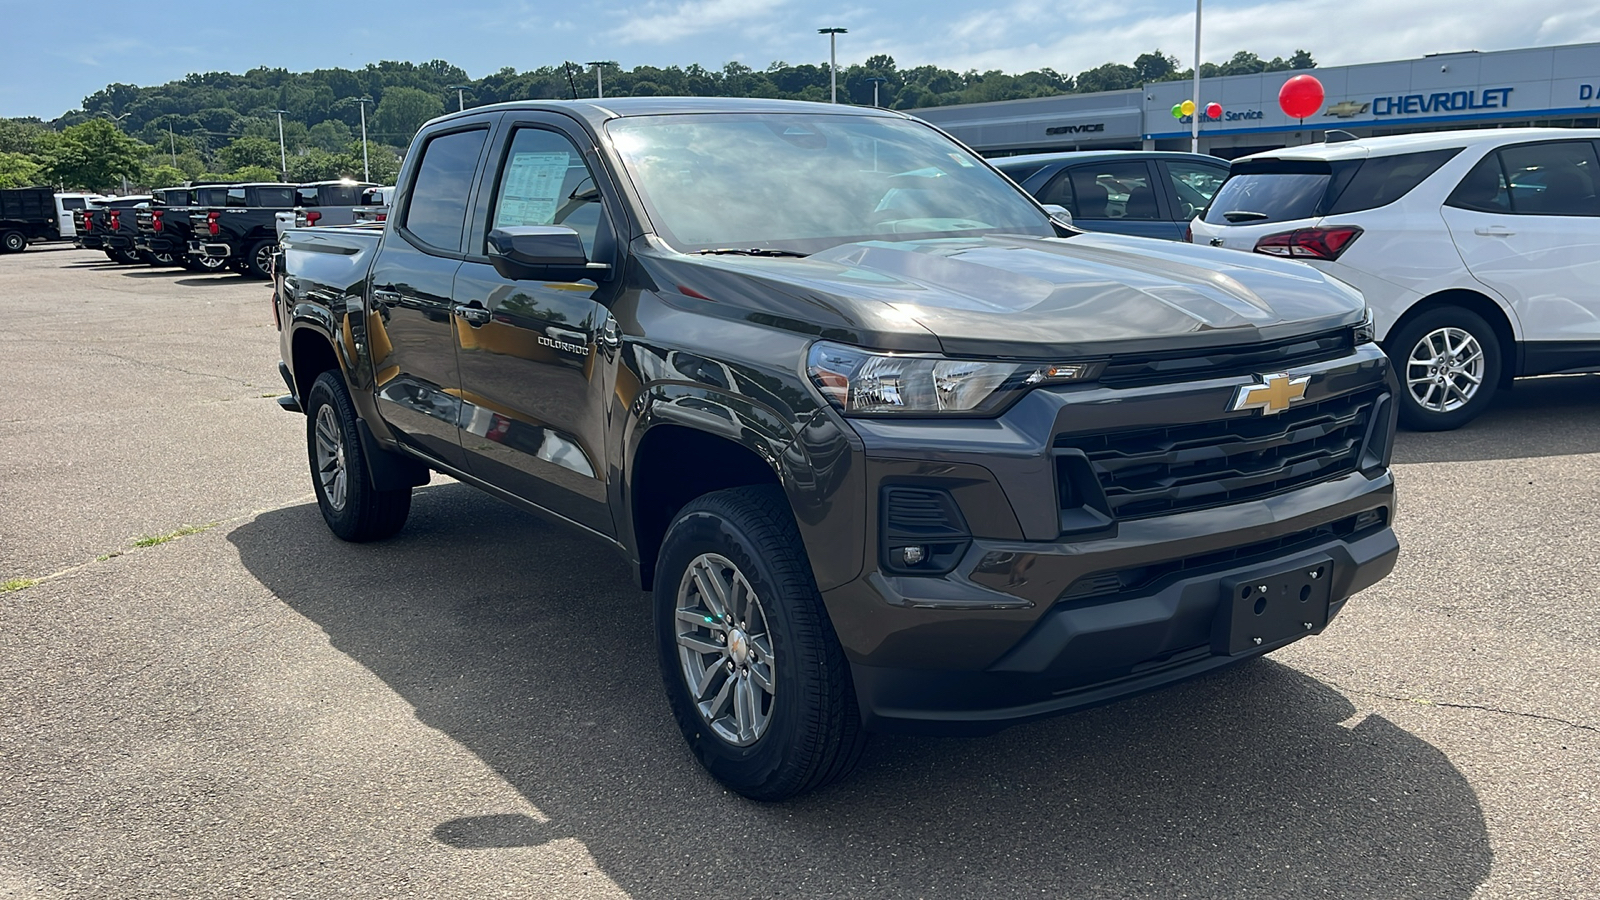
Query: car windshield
[[809, 181]]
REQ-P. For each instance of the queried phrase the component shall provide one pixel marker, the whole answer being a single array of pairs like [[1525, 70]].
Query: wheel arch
[[311, 353], [1485, 307]]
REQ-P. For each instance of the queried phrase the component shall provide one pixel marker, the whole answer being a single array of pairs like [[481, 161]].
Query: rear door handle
[[474, 314], [1494, 231]]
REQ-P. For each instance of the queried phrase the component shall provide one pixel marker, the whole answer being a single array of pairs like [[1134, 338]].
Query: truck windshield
[[808, 182]]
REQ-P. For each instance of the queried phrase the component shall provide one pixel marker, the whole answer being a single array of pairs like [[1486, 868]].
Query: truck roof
[[598, 111]]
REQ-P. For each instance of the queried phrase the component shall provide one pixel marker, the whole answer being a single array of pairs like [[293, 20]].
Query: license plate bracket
[[1268, 607]]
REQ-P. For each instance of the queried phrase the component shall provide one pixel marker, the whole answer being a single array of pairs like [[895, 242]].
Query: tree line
[[221, 126]]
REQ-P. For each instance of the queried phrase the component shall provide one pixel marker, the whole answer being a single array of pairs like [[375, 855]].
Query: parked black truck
[[166, 228], [243, 231], [112, 223], [893, 449], [27, 215]]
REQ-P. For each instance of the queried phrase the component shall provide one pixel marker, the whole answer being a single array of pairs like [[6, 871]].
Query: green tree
[[17, 170], [1108, 77], [163, 176], [22, 135], [402, 111], [249, 151], [1155, 66], [92, 156], [254, 173], [330, 135], [1302, 60]]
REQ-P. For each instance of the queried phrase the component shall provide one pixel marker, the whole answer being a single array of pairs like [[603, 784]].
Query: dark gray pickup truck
[[893, 449]]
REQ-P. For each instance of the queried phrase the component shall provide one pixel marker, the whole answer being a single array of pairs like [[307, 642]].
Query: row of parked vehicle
[[200, 227]]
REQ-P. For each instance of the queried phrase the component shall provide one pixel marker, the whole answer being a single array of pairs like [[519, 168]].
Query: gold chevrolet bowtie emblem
[[1272, 397]]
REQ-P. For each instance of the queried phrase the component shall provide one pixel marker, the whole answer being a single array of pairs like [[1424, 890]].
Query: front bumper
[[1048, 610]]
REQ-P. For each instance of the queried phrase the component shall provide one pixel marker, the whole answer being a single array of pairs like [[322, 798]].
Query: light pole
[[876, 80], [366, 169], [599, 85], [833, 59], [1194, 120], [461, 96], [283, 152]]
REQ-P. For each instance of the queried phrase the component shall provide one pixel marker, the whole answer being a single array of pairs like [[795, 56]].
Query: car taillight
[[155, 220], [116, 220], [383, 217], [1309, 243], [211, 223], [88, 223], [312, 217]]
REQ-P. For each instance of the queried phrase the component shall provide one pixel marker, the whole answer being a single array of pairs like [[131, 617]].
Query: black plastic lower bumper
[[1081, 655]]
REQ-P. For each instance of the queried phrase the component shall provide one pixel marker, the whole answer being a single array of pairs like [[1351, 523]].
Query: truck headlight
[[862, 382], [1366, 332]]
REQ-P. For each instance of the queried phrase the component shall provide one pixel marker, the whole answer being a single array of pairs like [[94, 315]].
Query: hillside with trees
[[221, 126]]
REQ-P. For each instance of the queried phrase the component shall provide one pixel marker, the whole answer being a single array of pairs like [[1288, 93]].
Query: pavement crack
[[1425, 701]]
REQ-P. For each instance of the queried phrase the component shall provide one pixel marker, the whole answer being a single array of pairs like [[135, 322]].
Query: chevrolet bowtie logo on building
[[1349, 109], [1274, 396]]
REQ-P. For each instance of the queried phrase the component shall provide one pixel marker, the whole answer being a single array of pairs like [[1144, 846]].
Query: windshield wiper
[[750, 251], [1243, 215]]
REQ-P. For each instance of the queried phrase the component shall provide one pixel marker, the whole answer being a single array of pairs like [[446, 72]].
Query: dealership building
[[1547, 86]]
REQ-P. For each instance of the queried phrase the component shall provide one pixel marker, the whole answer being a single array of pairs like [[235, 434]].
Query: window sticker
[[532, 188]]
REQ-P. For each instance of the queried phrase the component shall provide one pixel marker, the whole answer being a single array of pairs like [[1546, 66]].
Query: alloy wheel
[[725, 648], [263, 262], [1445, 370], [332, 472]]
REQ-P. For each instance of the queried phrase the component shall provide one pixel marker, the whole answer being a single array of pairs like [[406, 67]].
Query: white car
[[1478, 251]]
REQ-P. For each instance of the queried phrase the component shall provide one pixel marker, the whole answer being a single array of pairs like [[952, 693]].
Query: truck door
[[534, 354], [409, 324]]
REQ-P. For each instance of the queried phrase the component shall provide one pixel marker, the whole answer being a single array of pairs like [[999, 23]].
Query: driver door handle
[[474, 314], [1494, 231]]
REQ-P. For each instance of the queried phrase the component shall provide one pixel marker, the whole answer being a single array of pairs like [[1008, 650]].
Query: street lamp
[[283, 152], [876, 80], [1194, 120], [461, 97], [599, 86], [833, 58], [366, 169]]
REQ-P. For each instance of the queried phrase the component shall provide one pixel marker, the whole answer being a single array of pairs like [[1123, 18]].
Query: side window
[[545, 181], [1556, 179], [1195, 184], [1059, 192], [1382, 180], [306, 196], [275, 198], [236, 197], [437, 211], [72, 203], [1114, 191]]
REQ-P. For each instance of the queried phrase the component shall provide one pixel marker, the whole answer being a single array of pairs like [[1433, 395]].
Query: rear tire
[[124, 256], [204, 264], [258, 260], [1448, 361], [13, 242], [753, 671], [352, 507]]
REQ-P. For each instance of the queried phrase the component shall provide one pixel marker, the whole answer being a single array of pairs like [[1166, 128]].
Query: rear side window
[[212, 197], [437, 210], [236, 197], [306, 196], [72, 203], [1556, 179], [1271, 190], [1382, 180], [1114, 191], [338, 195], [281, 198]]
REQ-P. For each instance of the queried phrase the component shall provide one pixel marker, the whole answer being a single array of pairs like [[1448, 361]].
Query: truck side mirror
[[1059, 214], [541, 253]]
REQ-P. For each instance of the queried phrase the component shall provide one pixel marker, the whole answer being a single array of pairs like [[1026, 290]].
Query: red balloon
[[1213, 110], [1300, 96]]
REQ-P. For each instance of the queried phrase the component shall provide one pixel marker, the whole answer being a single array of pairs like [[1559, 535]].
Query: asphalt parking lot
[[243, 706]]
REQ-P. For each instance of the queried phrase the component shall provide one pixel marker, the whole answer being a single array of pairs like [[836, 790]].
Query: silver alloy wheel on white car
[[331, 469], [1445, 369], [725, 648]]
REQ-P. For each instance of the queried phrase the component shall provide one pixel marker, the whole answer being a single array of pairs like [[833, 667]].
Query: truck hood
[[1021, 296]]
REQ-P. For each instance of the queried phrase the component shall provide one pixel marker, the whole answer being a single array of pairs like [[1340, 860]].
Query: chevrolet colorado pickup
[[893, 449]]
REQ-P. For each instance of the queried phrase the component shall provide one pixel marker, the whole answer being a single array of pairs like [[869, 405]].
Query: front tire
[[753, 671], [1449, 362], [352, 507]]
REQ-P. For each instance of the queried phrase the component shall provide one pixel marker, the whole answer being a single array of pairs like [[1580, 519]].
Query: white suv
[[1478, 251]]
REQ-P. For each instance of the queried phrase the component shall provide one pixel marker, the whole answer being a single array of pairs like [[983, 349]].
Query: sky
[[57, 53]]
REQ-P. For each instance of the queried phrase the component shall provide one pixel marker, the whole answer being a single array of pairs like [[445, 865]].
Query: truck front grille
[[1157, 471]]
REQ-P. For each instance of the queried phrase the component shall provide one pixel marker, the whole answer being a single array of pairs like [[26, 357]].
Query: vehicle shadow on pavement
[[162, 272], [531, 648], [1552, 416]]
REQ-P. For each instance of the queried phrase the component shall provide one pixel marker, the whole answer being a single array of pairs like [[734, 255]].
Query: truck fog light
[[912, 555]]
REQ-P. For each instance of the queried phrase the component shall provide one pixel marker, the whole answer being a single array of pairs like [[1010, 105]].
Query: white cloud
[[693, 18]]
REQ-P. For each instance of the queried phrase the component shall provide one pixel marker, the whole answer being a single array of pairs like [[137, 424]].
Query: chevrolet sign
[[1272, 396]]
